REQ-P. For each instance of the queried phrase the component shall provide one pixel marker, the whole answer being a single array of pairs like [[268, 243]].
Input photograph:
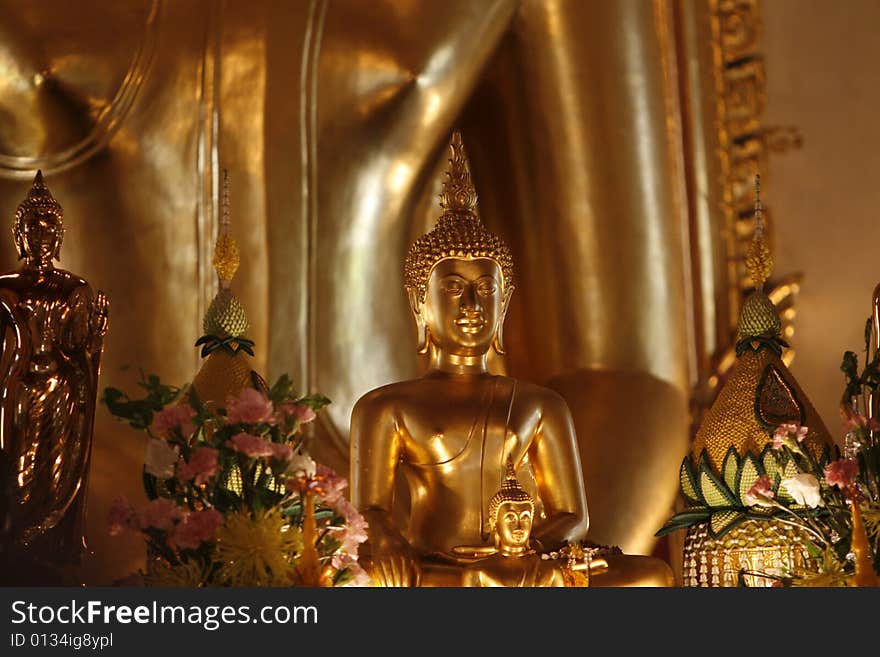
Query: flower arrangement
[[824, 496], [234, 498], [827, 501]]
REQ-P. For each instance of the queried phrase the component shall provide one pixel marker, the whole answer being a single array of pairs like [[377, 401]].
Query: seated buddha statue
[[512, 561], [427, 454]]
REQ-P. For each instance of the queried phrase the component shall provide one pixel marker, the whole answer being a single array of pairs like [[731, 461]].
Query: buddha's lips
[[470, 324]]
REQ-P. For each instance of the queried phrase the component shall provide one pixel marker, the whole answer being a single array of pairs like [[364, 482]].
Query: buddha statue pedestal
[[427, 453]]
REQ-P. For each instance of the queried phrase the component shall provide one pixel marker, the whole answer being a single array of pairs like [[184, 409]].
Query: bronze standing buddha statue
[[52, 330], [427, 454]]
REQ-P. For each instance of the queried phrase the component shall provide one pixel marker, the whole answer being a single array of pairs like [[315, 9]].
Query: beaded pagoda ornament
[[226, 368], [733, 447]]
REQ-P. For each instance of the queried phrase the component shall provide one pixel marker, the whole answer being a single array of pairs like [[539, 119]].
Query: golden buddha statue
[[512, 562], [53, 330], [427, 453]]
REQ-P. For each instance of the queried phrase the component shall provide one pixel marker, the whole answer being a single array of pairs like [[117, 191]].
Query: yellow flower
[[871, 517], [188, 574], [257, 550], [830, 573]]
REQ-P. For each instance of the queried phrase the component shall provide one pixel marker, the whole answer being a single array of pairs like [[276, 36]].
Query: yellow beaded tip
[[226, 257], [759, 260]]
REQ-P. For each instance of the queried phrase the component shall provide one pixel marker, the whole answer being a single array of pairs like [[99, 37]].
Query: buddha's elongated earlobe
[[498, 341], [56, 255], [422, 335], [19, 241]]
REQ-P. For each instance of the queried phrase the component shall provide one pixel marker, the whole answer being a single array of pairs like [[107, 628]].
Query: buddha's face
[[513, 523], [464, 305], [40, 236]]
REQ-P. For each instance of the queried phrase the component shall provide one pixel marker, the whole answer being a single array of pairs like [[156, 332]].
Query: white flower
[[160, 458], [804, 488], [302, 465]]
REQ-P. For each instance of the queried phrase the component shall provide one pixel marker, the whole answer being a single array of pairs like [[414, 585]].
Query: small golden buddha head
[[511, 511], [459, 276], [39, 225]]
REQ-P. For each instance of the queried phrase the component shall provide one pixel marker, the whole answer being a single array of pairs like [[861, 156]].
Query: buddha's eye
[[453, 287], [486, 289], [510, 516]]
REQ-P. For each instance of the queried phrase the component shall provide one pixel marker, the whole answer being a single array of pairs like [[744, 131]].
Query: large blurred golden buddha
[[427, 454]]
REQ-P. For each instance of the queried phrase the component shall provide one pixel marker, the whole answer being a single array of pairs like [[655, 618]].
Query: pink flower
[[120, 516], [196, 528], [779, 436], [161, 513], [174, 417], [786, 433], [202, 465], [299, 412], [841, 473], [331, 485], [355, 530], [281, 452], [303, 413], [357, 575], [249, 445], [858, 421], [760, 493], [250, 407]]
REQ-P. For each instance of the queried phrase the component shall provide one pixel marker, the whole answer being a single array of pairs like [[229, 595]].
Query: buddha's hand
[[387, 556], [394, 568], [100, 312]]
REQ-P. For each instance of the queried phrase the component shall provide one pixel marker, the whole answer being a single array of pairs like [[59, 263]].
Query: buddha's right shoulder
[[385, 397]]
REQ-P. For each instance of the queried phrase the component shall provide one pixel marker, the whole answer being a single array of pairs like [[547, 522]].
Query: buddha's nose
[[470, 299]]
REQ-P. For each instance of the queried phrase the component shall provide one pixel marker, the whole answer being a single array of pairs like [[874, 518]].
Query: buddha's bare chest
[[456, 430]]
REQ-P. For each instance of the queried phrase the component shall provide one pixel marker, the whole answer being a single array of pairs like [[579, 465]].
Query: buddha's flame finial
[[40, 199], [759, 260], [459, 198], [226, 255], [459, 233]]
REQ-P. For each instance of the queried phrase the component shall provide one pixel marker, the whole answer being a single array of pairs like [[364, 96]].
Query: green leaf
[[770, 461], [730, 468], [688, 481], [714, 492], [748, 475], [723, 521], [684, 519], [315, 402], [282, 390]]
